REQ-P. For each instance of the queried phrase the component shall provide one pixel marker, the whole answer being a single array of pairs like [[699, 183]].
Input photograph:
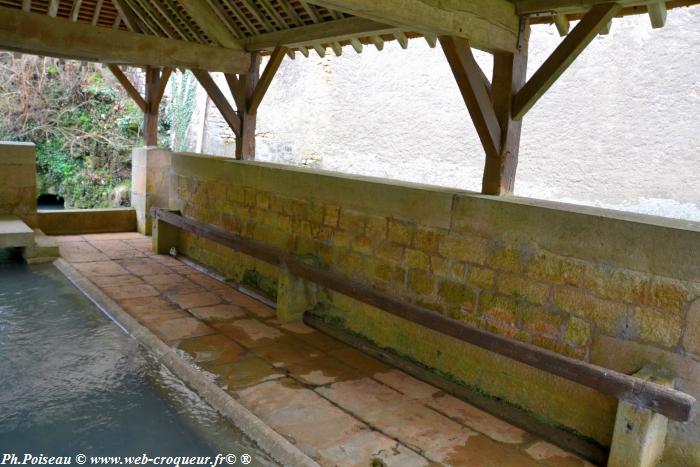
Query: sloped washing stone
[[14, 232]]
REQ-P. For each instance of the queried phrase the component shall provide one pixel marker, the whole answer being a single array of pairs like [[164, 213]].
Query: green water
[[72, 382]]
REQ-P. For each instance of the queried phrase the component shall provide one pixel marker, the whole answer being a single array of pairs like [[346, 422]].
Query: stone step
[[14, 232]]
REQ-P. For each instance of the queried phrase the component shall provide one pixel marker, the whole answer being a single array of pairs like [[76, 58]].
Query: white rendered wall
[[620, 129]]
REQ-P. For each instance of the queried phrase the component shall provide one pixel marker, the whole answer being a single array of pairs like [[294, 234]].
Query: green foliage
[[178, 111], [82, 123]]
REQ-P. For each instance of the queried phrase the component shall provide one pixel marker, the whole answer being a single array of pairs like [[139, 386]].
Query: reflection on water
[[72, 382]]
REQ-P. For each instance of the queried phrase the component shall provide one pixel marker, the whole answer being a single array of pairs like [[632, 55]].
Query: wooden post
[[156, 81], [150, 116], [245, 144], [509, 74]]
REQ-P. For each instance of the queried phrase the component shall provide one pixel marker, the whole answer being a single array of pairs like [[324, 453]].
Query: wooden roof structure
[[229, 35], [319, 25]]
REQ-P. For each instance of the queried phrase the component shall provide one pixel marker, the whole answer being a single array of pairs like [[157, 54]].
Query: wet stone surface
[[337, 404]]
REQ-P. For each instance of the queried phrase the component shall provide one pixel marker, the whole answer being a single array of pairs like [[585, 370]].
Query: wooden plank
[[41, 35], [570, 48], [27, 5], [172, 23], [142, 8], [210, 23], [219, 100], [509, 74], [337, 49], [657, 14], [499, 408], [128, 86], [329, 31], [674, 404], [488, 25], [470, 80], [226, 18], [266, 78]]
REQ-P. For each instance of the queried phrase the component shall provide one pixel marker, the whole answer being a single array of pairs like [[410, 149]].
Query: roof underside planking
[[214, 29]]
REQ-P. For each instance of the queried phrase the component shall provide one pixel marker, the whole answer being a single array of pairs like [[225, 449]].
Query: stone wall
[[624, 113], [18, 181], [618, 290]]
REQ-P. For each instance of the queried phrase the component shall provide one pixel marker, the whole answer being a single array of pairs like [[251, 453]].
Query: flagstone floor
[[337, 404]]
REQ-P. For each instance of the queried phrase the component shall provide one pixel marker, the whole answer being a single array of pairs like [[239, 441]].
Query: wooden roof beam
[[530, 7], [210, 23], [585, 31], [330, 31], [488, 25], [126, 15], [38, 34]]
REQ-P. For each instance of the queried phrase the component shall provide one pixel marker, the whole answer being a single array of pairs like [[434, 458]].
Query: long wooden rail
[[672, 403]]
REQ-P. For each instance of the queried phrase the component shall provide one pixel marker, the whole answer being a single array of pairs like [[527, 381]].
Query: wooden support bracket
[[271, 68], [470, 80], [156, 82], [573, 44], [126, 84], [489, 104], [217, 97]]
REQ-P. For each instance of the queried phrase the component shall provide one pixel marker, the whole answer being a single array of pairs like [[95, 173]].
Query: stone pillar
[[639, 436], [150, 183], [18, 181], [294, 296]]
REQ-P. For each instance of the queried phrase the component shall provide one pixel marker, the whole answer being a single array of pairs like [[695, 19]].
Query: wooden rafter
[[128, 86], [489, 25], [209, 22], [330, 31], [657, 14], [126, 15], [41, 35], [219, 99], [76, 10], [96, 14], [572, 45], [470, 81]]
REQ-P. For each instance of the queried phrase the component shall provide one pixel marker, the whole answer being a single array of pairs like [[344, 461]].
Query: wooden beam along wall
[[38, 34], [670, 402]]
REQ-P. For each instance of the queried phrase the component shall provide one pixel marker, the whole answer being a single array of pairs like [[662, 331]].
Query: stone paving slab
[[338, 405]]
